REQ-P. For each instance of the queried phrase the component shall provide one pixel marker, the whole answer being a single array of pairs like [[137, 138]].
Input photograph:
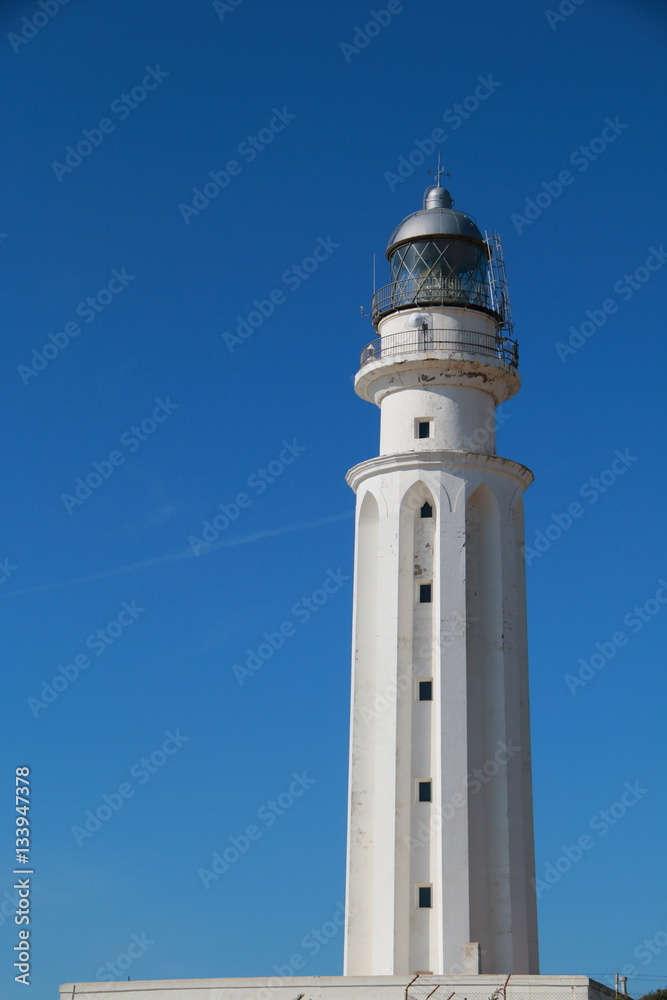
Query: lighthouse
[[440, 858]]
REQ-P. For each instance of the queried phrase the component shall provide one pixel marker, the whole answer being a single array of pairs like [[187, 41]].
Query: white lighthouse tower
[[440, 830]]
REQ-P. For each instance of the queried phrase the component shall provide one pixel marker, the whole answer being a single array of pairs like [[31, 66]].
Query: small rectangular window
[[426, 510], [425, 595], [426, 690], [424, 428], [424, 791], [424, 896]]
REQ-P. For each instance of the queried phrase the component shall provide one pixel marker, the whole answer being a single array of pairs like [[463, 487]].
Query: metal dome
[[436, 218]]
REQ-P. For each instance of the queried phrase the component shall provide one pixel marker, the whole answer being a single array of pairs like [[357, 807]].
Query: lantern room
[[439, 257]]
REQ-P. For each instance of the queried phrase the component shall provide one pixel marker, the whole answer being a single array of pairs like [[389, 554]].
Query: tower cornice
[[377, 378], [432, 460]]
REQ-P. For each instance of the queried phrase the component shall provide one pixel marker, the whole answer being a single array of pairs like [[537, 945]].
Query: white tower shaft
[[440, 834]]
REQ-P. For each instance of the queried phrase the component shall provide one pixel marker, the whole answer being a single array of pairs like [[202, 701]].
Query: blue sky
[[133, 294]]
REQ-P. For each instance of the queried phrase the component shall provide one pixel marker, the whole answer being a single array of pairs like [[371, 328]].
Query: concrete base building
[[349, 988]]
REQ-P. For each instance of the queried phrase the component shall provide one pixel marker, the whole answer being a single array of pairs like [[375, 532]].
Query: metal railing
[[425, 341], [432, 290], [500, 293]]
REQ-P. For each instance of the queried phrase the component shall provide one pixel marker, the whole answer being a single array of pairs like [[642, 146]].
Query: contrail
[[226, 543]]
